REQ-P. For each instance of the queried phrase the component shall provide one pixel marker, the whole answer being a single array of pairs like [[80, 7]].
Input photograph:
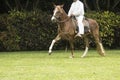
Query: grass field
[[38, 65]]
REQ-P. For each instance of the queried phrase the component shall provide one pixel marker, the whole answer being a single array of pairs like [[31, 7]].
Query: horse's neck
[[65, 16], [64, 26]]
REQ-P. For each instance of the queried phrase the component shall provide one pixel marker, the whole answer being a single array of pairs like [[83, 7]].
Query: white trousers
[[80, 24]]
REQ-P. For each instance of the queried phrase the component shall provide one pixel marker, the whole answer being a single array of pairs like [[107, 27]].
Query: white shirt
[[76, 9]]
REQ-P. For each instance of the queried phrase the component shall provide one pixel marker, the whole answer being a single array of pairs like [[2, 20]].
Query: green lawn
[[38, 65]]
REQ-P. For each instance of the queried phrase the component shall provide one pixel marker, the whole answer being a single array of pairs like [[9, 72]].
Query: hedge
[[108, 22], [35, 31]]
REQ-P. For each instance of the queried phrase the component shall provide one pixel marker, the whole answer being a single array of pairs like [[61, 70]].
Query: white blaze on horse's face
[[54, 13]]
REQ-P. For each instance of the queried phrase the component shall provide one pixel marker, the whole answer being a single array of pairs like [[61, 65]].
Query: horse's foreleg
[[52, 44], [86, 48]]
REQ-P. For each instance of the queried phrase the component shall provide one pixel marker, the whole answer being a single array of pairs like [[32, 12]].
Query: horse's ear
[[54, 4], [62, 5]]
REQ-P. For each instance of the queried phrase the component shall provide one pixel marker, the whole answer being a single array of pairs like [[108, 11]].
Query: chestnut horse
[[67, 31]]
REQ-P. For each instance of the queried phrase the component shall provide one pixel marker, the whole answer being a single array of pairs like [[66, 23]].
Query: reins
[[62, 21]]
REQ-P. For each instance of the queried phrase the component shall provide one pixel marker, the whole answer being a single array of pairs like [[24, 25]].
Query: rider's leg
[[80, 26]]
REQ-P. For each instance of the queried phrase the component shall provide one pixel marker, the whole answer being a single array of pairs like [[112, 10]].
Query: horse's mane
[[61, 9]]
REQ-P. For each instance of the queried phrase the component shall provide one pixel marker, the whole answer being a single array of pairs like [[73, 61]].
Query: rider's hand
[[72, 15]]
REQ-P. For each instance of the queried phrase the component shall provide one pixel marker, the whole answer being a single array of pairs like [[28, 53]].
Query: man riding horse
[[77, 10], [67, 28]]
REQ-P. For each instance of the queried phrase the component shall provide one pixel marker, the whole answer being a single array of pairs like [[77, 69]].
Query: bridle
[[61, 21], [58, 20]]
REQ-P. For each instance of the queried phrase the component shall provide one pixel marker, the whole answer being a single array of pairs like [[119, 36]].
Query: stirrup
[[78, 35]]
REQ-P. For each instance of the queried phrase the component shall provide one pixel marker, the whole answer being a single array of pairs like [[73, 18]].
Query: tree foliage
[[46, 5]]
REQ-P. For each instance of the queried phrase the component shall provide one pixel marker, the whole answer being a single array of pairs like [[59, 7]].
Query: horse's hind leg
[[52, 44], [99, 45], [87, 46]]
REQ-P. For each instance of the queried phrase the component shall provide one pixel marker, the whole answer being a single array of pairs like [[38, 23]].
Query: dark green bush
[[8, 35], [107, 21], [35, 31]]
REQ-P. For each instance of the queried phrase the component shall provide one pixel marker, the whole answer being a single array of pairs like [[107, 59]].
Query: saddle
[[85, 23]]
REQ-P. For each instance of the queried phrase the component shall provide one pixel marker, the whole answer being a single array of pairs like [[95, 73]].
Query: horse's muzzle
[[53, 19]]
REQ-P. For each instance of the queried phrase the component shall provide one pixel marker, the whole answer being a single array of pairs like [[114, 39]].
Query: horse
[[67, 31]]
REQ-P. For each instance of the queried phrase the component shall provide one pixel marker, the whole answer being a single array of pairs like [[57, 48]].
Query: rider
[[77, 10]]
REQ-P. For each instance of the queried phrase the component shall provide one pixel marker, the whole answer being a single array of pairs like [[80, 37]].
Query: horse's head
[[57, 13]]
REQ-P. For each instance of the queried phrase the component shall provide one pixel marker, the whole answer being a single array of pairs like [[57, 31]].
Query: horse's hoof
[[82, 56], [103, 55], [50, 53], [71, 57]]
